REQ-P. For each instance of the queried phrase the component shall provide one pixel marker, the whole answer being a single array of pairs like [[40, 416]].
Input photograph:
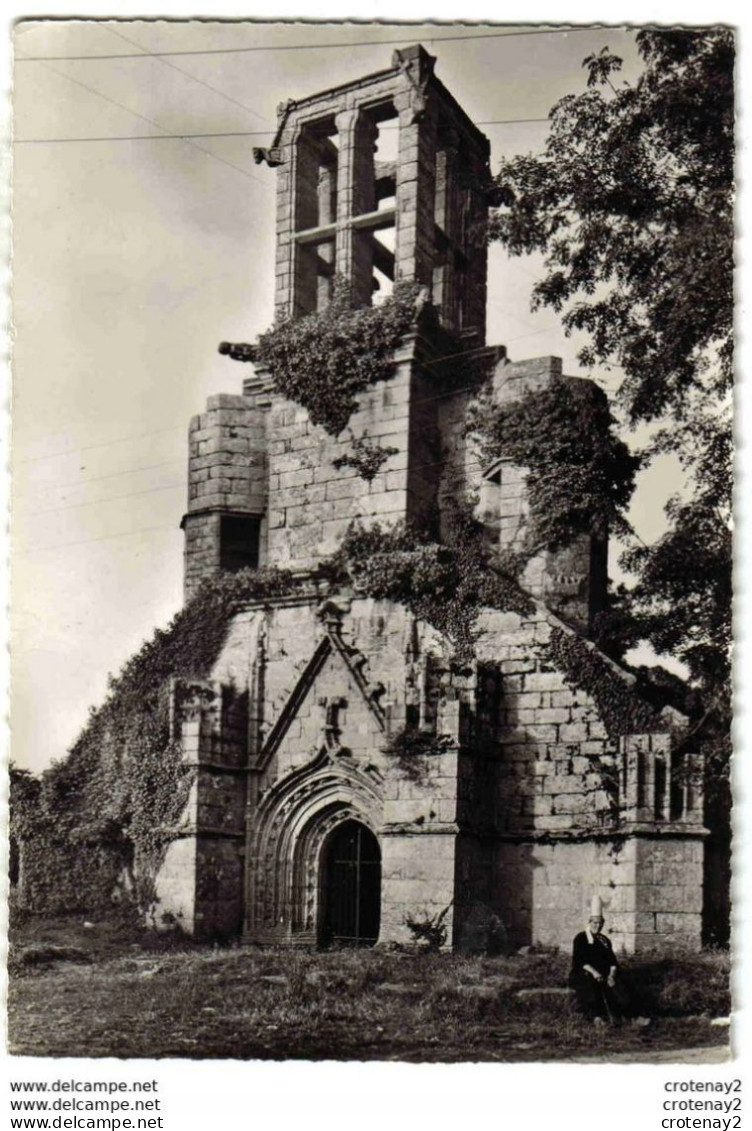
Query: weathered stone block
[[684, 925], [552, 715], [545, 681]]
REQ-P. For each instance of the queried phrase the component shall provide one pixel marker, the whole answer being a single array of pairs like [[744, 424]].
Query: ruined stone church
[[300, 830]]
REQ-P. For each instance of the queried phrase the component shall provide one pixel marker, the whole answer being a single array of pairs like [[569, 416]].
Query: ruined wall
[[227, 478], [311, 503], [572, 579], [575, 810], [525, 809], [550, 755], [199, 884]]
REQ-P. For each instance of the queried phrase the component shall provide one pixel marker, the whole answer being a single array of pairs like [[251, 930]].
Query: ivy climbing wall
[[312, 502], [426, 506], [501, 794]]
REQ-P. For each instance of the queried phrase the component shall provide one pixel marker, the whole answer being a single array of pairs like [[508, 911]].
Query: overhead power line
[[181, 71], [162, 57], [103, 538], [142, 137], [75, 484], [315, 46], [152, 122], [102, 444], [229, 133], [109, 499]]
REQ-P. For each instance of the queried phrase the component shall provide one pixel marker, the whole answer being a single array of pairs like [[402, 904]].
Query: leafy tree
[[631, 204], [634, 191]]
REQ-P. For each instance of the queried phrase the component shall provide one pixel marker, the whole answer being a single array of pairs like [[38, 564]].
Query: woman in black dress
[[601, 994]]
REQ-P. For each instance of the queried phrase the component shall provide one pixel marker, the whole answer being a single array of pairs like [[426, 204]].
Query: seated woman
[[595, 976]]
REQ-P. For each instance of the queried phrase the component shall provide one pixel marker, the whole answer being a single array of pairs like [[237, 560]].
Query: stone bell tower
[[379, 180]]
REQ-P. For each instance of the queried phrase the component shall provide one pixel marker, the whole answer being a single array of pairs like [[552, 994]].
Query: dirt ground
[[108, 990]]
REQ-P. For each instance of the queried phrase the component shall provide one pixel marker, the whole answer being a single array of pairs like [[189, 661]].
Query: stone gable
[[527, 807]]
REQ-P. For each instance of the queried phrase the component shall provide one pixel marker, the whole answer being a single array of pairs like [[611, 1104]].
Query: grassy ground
[[109, 990]]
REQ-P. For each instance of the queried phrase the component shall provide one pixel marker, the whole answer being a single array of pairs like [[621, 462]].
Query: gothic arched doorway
[[350, 886]]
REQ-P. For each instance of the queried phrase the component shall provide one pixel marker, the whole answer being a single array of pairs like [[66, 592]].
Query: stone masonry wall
[[572, 580], [542, 891], [552, 752], [311, 503], [668, 890], [527, 812], [200, 882], [227, 474], [201, 551], [175, 887], [417, 882], [650, 887]]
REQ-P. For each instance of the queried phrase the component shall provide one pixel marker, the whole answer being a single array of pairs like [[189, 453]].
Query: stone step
[[544, 992]]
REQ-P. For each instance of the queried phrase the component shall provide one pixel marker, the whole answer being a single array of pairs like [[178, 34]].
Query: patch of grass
[[95, 939], [686, 984], [171, 998]]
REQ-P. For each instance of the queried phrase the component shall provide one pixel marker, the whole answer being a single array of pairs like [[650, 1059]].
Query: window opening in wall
[[375, 158], [462, 288], [316, 177], [641, 783], [386, 186], [679, 791], [383, 287], [489, 506], [387, 136], [374, 197], [316, 166], [677, 800], [383, 264], [386, 149], [452, 236], [327, 179], [412, 715], [314, 275], [239, 541], [660, 786]]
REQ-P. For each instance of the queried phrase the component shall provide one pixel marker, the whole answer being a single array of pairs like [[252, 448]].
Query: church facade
[[302, 827]]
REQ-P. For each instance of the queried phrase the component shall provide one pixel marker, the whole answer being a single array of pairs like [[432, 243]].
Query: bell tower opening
[[350, 887]]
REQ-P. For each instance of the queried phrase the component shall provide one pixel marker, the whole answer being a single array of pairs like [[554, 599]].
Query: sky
[[135, 252]]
